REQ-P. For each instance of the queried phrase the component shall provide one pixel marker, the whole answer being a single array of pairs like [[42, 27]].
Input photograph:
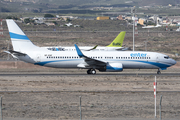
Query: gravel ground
[[103, 97]]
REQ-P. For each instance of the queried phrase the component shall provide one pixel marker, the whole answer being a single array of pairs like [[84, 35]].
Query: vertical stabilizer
[[20, 41], [118, 41]]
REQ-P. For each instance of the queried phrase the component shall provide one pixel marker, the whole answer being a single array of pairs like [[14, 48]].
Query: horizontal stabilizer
[[122, 49], [15, 53]]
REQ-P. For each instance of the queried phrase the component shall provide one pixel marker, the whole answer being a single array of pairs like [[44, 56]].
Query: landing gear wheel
[[158, 72], [91, 71]]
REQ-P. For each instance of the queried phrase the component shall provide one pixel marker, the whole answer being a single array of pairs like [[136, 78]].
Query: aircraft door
[[157, 58], [38, 59]]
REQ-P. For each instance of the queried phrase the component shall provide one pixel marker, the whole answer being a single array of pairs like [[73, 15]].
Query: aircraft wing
[[89, 61], [122, 49]]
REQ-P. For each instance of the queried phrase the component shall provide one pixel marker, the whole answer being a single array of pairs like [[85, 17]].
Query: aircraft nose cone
[[174, 62]]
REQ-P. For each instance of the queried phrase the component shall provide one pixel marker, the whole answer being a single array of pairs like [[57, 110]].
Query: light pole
[[145, 42], [133, 12]]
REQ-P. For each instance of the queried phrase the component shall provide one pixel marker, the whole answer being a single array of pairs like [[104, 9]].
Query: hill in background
[[38, 6]]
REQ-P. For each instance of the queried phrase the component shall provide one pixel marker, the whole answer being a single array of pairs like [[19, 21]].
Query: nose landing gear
[[91, 71], [158, 72]]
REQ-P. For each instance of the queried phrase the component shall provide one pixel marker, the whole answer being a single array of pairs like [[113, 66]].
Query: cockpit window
[[166, 57]]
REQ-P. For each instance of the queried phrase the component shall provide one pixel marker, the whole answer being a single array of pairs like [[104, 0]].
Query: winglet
[[118, 41], [92, 48], [80, 54]]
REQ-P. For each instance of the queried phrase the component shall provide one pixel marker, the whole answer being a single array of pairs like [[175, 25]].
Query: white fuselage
[[70, 59], [83, 48]]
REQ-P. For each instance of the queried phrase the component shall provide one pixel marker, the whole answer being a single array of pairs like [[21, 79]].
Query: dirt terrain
[[103, 97]]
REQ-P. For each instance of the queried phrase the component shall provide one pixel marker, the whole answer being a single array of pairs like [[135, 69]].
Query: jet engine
[[114, 67]]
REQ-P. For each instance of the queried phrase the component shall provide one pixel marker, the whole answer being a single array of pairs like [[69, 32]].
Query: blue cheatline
[[160, 65], [46, 62], [17, 36]]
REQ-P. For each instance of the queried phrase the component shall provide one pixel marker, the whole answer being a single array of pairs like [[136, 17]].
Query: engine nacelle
[[114, 67]]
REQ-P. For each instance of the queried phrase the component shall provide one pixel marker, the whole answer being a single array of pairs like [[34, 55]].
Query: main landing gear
[[158, 72], [91, 71]]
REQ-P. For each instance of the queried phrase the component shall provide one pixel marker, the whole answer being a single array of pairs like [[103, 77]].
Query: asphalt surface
[[84, 74], [100, 119]]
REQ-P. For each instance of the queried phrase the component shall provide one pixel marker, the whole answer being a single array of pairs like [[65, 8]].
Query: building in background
[[141, 21], [103, 18]]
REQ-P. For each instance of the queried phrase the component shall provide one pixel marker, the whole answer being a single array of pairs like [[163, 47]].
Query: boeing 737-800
[[104, 61], [115, 45], [152, 26]]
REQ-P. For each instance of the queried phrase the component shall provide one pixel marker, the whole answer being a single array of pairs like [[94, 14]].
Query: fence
[[95, 104]]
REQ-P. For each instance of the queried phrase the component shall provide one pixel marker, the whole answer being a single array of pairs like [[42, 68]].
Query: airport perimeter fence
[[66, 105]]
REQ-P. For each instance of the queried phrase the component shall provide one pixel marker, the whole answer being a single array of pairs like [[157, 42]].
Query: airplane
[[69, 24], [115, 45], [152, 26], [178, 29], [104, 61]]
